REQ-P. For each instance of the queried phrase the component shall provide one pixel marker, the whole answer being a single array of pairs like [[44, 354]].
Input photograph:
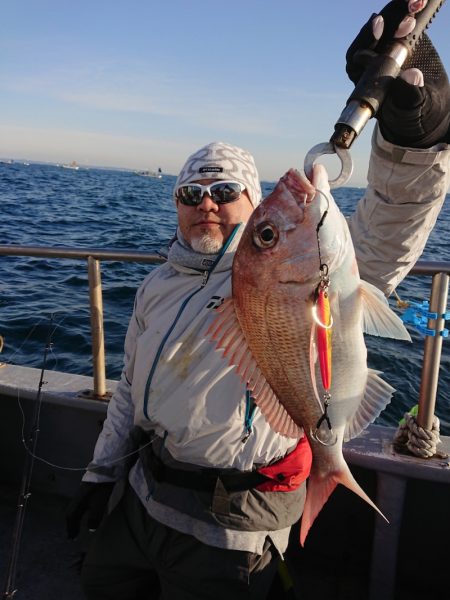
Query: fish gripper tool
[[369, 94]]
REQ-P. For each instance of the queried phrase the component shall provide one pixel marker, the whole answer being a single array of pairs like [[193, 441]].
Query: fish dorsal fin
[[378, 318], [226, 331], [377, 396]]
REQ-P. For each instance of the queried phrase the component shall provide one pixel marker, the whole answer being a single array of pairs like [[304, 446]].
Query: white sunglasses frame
[[206, 189]]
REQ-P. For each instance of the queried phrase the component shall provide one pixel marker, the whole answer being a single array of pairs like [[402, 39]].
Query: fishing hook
[[329, 148], [331, 437]]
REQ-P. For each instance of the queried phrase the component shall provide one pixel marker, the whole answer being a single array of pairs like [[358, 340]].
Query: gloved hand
[[416, 112], [91, 498]]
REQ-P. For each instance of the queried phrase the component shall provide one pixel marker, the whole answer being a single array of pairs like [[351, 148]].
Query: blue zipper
[[206, 276], [250, 408]]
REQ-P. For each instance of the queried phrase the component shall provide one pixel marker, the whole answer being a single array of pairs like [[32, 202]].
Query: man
[[198, 519]]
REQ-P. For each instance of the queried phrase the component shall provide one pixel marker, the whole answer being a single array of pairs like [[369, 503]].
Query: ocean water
[[44, 205]]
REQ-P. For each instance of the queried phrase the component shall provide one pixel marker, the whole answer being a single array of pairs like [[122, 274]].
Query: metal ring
[[328, 440]]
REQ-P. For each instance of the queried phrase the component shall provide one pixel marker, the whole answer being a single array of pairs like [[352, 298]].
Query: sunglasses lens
[[225, 192], [190, 195]]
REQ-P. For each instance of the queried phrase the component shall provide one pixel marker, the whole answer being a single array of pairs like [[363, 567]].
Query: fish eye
[[265, 235]]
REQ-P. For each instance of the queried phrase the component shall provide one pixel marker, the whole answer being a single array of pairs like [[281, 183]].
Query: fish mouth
[[300, 187]]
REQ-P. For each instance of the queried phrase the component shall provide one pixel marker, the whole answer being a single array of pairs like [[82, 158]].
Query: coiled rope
[[419, 441]]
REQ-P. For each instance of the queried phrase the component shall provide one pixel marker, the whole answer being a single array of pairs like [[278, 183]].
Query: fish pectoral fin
[[319, 489], [377, 395], [274, 412], [378, 318], [226, 331]]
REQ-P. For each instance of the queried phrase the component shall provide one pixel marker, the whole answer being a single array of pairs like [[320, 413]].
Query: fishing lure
[[324, 321]]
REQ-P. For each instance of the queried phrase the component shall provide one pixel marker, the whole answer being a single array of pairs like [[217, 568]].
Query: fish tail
[[320, 489]]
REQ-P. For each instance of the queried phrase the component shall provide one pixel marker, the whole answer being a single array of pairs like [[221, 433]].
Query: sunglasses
[[221, 192]]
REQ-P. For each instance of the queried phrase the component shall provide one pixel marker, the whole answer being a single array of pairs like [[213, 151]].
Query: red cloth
[[288, 473]]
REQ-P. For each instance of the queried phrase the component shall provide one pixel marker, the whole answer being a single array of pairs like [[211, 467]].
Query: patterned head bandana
[[222, 161]]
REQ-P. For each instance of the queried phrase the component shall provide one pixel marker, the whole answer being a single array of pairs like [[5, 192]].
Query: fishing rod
[[24, 494], [30, 446], [369, 94]]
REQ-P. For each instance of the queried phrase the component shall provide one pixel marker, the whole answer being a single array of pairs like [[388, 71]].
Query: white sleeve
[[116, 440], [393, 220]]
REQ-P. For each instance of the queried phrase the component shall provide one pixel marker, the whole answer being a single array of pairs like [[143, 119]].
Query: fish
[[294, 329]]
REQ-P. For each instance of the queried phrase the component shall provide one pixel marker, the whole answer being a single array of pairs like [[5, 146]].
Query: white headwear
[[223, 161]]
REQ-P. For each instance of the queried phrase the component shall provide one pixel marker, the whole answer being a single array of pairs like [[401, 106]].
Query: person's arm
[[114, 442], [393, 220], [115, 439], [409, 166]]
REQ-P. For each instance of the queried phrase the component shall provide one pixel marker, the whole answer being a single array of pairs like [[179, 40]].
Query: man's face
[[207, 227]]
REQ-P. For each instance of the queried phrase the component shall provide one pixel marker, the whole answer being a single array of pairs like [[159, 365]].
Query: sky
[[141, 84]]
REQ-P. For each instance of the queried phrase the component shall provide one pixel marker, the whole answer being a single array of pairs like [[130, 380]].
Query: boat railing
[[93, 257], [439, 271]]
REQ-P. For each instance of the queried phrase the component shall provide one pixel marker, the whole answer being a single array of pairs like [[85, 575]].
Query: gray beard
[[206, 244]]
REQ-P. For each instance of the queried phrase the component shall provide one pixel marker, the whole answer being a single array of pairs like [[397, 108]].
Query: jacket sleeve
[[392, 222], [116, 440]]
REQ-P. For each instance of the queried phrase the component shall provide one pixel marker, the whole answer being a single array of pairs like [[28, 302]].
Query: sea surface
[[45, 205]]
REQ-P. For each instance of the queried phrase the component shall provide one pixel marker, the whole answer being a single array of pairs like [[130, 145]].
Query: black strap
[[202, 479]]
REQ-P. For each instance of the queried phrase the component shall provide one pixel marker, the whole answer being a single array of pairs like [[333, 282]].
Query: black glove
[[411, 115], [91, 498]]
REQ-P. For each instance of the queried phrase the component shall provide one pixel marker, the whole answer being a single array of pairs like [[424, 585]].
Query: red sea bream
[[294, 267]]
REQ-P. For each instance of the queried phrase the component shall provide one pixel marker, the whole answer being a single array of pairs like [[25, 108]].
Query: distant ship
[[6, 161], [73, 165], [157, 174]]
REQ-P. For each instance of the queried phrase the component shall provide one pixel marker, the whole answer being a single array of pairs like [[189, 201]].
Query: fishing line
[[32, 330], [61, 467], [50, 464], [320, 223], [36, 325], [50, 349]]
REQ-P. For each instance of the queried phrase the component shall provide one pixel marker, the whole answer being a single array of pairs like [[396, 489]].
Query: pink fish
[[294, 329]]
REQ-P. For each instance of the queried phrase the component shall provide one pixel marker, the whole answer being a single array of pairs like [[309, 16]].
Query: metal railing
[[93, 256], [439, 271]]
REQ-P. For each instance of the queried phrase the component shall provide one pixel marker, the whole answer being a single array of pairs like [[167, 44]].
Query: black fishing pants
[[134, 557]]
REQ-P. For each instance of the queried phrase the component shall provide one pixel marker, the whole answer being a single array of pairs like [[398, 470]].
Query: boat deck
[[333, 566], [350, 554], [47, 560]]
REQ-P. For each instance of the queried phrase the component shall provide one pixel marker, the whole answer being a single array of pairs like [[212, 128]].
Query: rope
[[400, 303], [419, 441]]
